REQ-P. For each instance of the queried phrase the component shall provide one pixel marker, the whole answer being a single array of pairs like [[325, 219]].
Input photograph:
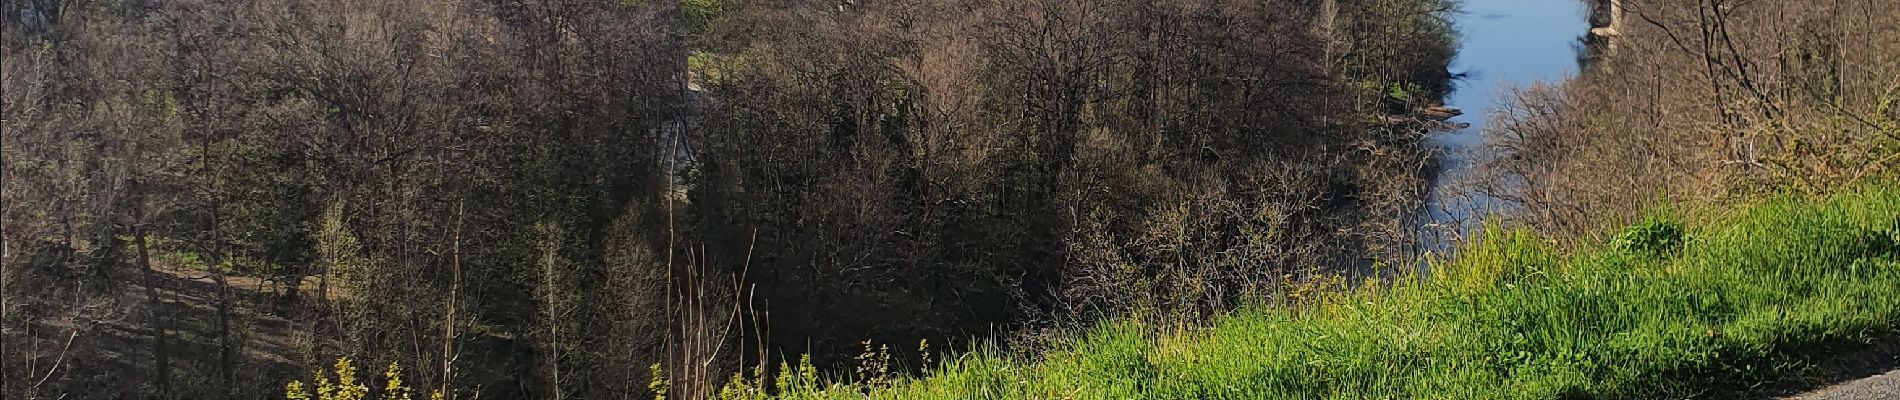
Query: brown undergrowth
[[1705, 101]]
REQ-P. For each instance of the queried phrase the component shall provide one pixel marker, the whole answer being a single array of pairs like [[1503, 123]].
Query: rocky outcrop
[[1606, 18], [1606, 24]]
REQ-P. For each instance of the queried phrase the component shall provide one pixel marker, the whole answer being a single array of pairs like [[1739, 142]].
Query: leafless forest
[[555, 199], [1705, 102]]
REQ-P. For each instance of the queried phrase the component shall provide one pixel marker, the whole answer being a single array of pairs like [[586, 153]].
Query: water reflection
[[1504, 44]]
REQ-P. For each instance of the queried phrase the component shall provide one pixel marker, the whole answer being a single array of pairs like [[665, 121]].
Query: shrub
[[346, 387], [1652, 236]]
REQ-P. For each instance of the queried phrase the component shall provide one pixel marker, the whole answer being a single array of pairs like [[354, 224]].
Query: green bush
[[346, 387], [700, 14], [1652, 236]]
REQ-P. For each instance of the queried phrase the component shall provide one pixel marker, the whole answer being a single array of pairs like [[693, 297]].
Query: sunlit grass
[[1717, 306]]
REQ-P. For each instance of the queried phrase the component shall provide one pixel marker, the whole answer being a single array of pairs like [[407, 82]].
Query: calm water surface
[[1504, 44]]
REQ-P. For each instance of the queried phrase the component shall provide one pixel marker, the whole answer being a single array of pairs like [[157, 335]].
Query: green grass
[[1716, 307]]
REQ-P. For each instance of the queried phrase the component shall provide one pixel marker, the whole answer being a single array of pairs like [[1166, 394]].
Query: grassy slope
[[1754, 296]]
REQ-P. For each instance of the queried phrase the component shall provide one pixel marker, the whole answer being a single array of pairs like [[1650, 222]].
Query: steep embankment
[[1729, 303]]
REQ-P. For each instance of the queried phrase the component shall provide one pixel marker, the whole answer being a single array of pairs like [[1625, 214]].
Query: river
[[1503, 44]]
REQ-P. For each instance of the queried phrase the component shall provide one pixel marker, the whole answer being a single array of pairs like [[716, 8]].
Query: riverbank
[[1695, 303], [1781, 96], [1503, 45]]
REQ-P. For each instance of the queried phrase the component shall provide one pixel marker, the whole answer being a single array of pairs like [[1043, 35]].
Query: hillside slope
[[1731, 303]]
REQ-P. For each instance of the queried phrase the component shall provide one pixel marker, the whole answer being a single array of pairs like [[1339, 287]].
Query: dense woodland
[[563, 198]]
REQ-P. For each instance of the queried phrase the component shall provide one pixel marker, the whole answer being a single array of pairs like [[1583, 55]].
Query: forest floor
[[110, 341]]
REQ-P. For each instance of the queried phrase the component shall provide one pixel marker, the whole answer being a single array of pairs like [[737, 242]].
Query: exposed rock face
[[1606, 22], [1606, 18]]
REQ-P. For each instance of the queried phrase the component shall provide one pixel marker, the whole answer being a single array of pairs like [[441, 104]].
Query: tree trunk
[[155, 314], [552, 310], [215, 253], [448, 312], [225, 361], [6, 253], [327, 256], [226, 370]]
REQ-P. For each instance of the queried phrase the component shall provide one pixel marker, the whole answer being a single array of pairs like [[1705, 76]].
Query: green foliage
[[1889, 109], [874, 364], [657, 383], [800, 378], [393, 388], [1652, 236], [744, 386], [337, 247], [1399, 41], [346, 387], [1502, 258], [700, 14], [1762, 296], [1403, 92]]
